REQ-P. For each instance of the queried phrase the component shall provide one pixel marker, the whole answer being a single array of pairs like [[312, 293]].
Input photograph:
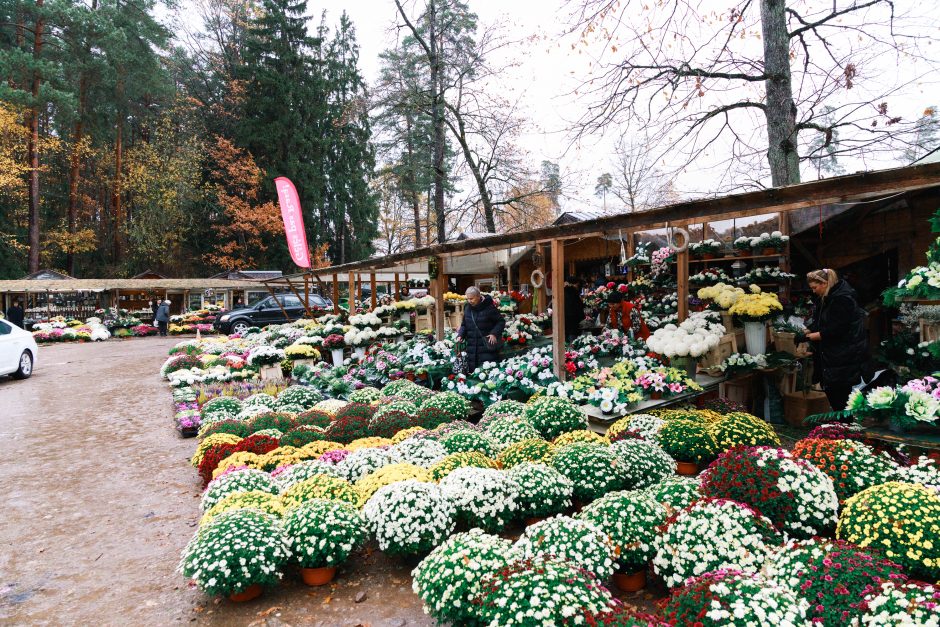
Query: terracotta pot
[[531, 521], [251, 592], [769, 251], [742, 253], [709, 256], [318, 576], [410, 376], [632, 582], [656, 396], [687, 469]]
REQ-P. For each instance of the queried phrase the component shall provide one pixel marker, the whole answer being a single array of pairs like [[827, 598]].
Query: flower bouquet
[[712, 534], [706, 249], [543, 491], [236, 553], [409, 517], [795, 495], [901, 520], [449, 578], [630, 519], [578, 541], [730, 598], [660, 259], [483, 497]]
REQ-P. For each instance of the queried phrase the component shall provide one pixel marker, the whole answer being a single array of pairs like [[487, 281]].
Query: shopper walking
[[574, 309], [482, 328], [163, 317], [838, 334]]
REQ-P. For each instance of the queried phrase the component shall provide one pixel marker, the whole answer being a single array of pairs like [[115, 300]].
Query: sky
[[548, 69]]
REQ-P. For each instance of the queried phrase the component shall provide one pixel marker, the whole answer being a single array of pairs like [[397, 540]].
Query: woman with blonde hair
[[838, 334]]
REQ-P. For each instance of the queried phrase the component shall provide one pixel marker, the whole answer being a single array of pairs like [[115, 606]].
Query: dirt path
[[100, 500]]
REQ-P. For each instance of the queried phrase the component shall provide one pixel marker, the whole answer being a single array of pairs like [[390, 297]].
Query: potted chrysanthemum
[[543, 491], [236, 554], [335, 343], [578, 541], [591, 467], [483, 497], [409, 517], [688, 442], [322, 534]]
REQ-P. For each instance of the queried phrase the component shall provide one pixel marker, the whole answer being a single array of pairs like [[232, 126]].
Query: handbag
[[499, 340]]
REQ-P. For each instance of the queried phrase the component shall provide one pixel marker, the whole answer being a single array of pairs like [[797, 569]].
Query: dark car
[[268, 311]]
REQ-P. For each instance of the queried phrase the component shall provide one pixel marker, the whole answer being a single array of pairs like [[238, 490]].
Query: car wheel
[[240, 327], [26, 366]]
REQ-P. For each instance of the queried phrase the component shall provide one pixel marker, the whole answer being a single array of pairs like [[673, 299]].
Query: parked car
[[18, 351], [268, 311]]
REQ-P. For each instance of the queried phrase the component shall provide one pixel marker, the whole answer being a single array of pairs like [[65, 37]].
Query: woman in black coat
[[838, 334], [574, 309], [482, 328]]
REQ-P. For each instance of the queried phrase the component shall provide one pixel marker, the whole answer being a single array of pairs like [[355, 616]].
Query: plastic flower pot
[[687, 469], [251, 592], [404, 317], [337, 356], [688, 364], [270, 372], [318, 576], [630, 582], [755, 337]]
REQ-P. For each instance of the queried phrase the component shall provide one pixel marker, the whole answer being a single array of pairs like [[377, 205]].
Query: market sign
[[293, 221]]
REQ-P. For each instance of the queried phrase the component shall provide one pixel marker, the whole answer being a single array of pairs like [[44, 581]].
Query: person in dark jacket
[[15, 314], [574, 309], [154, 306], [838, 334], [614, 304], [482, 329], [163, 317]]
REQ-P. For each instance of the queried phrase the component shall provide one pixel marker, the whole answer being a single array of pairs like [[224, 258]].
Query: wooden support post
[[541, 291], [335, 293], [351, 301], [397, 287], [558, 307], [307, 295], [372, 285], [358, 286], [437, 291], [682, 279]]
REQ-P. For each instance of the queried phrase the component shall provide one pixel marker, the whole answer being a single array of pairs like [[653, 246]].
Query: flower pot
[[709, 256], [400, 339], [686, 363], [531, 521], [410, 376], [405, 317], [318, 576], [755, 337], [270, 372], [309, 362], [360, 351], [337, 356], [630, 582], [189, 432], [742, 253], [422, 376], [895, 427], [687, 469], [656, 396], [251, 592], [768, 251]]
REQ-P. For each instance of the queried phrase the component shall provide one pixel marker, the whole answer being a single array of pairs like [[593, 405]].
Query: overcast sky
[[548, 72]]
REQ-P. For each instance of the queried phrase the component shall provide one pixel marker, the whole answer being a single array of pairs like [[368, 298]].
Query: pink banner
[[293, 221]]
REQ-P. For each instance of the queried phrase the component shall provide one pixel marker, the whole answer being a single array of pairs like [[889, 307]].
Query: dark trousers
[[838, 395], [162, 326]]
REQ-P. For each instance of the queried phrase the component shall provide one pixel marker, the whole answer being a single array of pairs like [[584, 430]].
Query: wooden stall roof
[[852, 188], [100, 285]]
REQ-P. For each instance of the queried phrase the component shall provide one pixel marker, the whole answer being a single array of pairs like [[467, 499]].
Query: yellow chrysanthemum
[[404, 434], [208, 442], [371, 442], [242, 458], [393, 473], [255, 499]]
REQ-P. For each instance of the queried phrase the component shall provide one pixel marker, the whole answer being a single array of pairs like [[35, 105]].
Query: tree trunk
[[783, 150], [438, 114], [116, 189], [32, 149], [461, 134], [75, 163], [411, 182]]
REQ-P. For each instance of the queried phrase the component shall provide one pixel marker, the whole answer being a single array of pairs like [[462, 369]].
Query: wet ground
[[100, 501]]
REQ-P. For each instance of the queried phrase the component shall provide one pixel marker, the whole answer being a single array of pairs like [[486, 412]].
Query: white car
[[17, 351]]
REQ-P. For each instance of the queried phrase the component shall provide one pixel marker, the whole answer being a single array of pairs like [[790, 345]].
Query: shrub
[[323, 533], [578, 541], [448, 579], [795, 495], [409, 517], [687, 441], [359, 463], [902, 520], [260, 399], [592, 468], [835, 576], [912, 603], [581, 435], [529, 450], [432, 417], [483, 497], [420, 452], [553, 416], [732, 598], [514, 408], [212, 457], [712, 534], [351, 423], [641, 464], [365, 395], [543, 491], [286, 476], [542, 590], [852, 466], [675, 493], [230, 426], [631, 520], [235, 550], [469, 442], [258, 444], [387, 475], [220, 408]]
